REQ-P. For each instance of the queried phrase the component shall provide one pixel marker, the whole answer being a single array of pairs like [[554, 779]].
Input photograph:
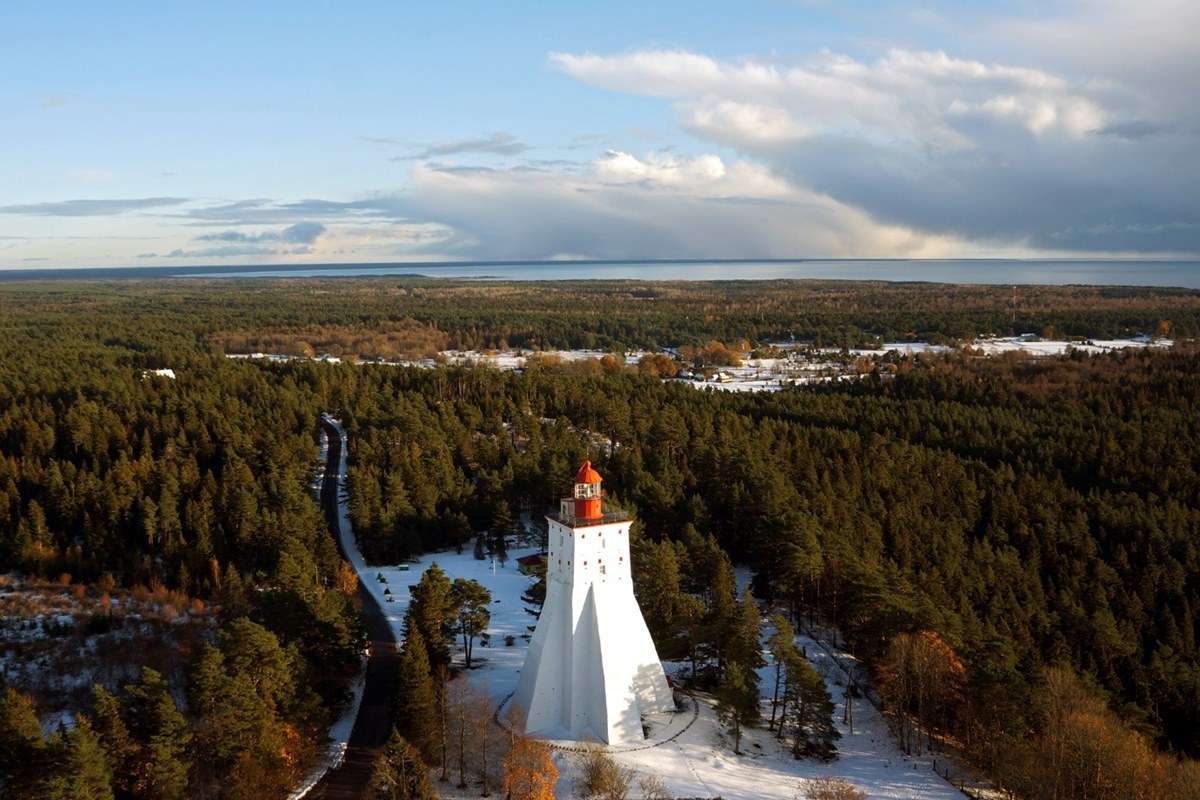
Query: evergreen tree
[[501, 527], [737, 701], [22, 747], [252, 651], [162, 761], [116, 739], [400, 774], [746, 645], [690, 613], [233, 593], [534, 595], [782, 645], [471, 603], [416, 697], [82, 772], [798, 564], [656, 584], [431, 612], [808, 711], [721, 618]]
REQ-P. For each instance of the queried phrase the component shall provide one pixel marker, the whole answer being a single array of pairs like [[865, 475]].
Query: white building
[[592, 670]]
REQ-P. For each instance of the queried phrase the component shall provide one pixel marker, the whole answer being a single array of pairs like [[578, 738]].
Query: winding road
[[373, 724]]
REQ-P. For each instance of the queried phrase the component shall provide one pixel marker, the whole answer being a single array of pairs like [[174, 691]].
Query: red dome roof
[[586, 474]]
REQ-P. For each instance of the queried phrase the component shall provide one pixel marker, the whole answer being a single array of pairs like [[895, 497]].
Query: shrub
[[831, 789], [602, 777]]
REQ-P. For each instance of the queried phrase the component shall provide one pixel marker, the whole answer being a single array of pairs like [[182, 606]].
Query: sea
[[1184, 274], [1181, 274]]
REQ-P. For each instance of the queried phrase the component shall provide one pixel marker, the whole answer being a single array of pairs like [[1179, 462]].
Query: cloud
[[262, 211], [91, 208], [1001, 154], [657, 206], [302, 232], [238, 236], [1132, 129], [912, 93], [239, 243], [228, 251], [499, 143]]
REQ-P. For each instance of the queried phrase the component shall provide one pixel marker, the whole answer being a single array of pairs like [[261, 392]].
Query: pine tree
[[810, 719], [82, 772], [251, 650], [233, 594], [656, 582], [22, 747], [746, 646], [416, 697], [162, 762], [431, 612], [691, 623], [822, 734], [400, 774], [471, 602], [116, 739], [737, 701], [534, 595], [721, 619], [798, 562], [782, 645], [501, 527], [219, 730]]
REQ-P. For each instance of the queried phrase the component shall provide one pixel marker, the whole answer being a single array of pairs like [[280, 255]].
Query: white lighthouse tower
[[592, 670]]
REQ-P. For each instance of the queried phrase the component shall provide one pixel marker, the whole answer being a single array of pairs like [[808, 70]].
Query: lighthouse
[[591, 671]]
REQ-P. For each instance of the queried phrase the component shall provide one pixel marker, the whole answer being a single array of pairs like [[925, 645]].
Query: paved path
[[374, 722]]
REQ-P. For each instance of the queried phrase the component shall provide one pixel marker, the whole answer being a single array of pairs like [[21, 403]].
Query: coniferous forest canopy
[[1035, 515]]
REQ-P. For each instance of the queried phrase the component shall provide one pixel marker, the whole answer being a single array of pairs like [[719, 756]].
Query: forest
[[1029, 526]]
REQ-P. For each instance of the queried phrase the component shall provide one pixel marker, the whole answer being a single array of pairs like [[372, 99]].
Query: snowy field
[[699, 760], [801, 364], [1036, 346]]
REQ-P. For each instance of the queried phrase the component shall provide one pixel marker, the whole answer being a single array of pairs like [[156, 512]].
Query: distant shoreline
[[982, 271]]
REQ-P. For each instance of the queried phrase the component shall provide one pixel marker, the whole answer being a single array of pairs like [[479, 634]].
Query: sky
[[172, 133]]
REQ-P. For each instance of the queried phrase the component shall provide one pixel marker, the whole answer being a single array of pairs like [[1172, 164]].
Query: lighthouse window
[[602, 570]]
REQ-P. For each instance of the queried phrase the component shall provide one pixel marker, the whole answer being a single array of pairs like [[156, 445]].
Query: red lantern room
[[587, 493]]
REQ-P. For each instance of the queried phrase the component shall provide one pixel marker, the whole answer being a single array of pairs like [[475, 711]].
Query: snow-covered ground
[[801, 364], [339, 732], [698, 761], [57, 639], [1034, 345], [755, 375], [339, 740]]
